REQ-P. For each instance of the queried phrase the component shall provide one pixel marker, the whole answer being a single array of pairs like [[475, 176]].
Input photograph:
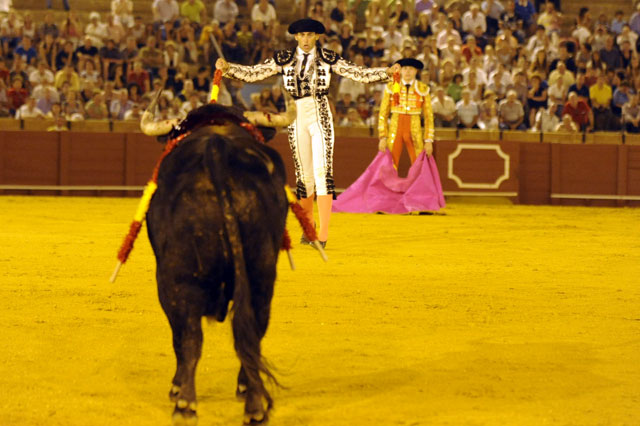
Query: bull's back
[[186, 220]]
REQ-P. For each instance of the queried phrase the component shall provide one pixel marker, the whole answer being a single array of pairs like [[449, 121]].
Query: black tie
[[304, 64], [408, 85]]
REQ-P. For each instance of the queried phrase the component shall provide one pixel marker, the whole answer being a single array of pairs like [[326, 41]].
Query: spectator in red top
[[579, 111], [17, 95], [471, 49], [139, 76]]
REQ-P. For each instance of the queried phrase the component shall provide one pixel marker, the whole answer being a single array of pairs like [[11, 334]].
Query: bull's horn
[[149, 126], [156, 128], [274, 120]]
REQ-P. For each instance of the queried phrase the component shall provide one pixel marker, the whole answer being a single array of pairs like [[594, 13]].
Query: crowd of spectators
[[510, 64], [107, 68]]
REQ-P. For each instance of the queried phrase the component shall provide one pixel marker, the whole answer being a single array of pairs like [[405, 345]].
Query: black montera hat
[[410, 62], [306, 25]]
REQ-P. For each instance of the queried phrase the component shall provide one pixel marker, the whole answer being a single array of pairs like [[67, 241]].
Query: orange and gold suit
[[405, 126]]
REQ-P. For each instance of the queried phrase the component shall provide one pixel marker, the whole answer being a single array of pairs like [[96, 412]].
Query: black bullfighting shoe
[[304, 240]]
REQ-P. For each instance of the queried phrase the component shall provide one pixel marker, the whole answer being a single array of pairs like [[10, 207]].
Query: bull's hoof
[[174, 392], [241, 392], [185, 414], [256, 418], [181, 419]]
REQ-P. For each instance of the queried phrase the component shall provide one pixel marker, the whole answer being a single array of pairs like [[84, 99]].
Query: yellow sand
[[488, 315]]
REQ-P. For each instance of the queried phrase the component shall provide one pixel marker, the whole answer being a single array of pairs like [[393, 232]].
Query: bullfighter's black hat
[[410, 62], [306, 25]]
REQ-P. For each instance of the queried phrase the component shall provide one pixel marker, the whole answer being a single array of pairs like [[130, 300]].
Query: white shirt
[[25, 112], [505, 79], [481, 76], [166, 10], [582, 34], [467, 112], [266, 17], [98, 33], [558, 93], [469, 23], [5, 5], [495, 11], [122, 9], [35, 78], [447, 107], [225, 11], [394, 38], [300, 57], [443, 36], [40, 91], [546, 122]]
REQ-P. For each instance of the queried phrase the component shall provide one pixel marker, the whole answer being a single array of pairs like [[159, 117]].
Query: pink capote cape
[[380, 189]]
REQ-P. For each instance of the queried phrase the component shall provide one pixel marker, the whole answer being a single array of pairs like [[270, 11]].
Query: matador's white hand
[[382, 145], [393, 69], [428, 148], [222, 65]]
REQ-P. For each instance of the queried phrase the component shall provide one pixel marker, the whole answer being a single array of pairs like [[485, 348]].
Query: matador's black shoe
[[305, 241]]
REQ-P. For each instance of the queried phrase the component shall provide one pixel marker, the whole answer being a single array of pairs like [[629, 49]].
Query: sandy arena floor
[[488, 315]]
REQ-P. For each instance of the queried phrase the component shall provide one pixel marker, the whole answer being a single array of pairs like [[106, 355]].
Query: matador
[[411, 106], [306, 72]]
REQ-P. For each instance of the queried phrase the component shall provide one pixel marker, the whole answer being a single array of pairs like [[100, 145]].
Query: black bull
[[216, 224]]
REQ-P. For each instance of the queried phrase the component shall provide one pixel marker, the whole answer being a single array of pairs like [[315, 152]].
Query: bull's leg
[[187, 344], [185, 318], [250, 384], [241, 389]]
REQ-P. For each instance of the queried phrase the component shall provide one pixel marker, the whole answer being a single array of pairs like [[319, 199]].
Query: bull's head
[[274, 120], [151, 127]]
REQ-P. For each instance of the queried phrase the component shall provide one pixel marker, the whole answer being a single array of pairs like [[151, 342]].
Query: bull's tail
[[246, 329]]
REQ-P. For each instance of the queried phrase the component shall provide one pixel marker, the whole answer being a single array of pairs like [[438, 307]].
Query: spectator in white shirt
[[120, 106], [581, 33], [41, 76], [511, 112], [438, 22], [538, 41], [48, 98], [122, 10], [392, 36], [96, 30], [165, 10], [29, 110], [225, 11], [468, 111], [444, 109], [5, 6], [265, 12], [547, 119], [561, 73], [558, 92], [474, 18], [134, 113], [443, 36], [475, 66], [628, 35]]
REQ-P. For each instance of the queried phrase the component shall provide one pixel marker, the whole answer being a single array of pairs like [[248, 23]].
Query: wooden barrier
[[599, 171]]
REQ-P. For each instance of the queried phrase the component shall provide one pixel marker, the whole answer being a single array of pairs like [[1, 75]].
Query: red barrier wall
[[531, 173]]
